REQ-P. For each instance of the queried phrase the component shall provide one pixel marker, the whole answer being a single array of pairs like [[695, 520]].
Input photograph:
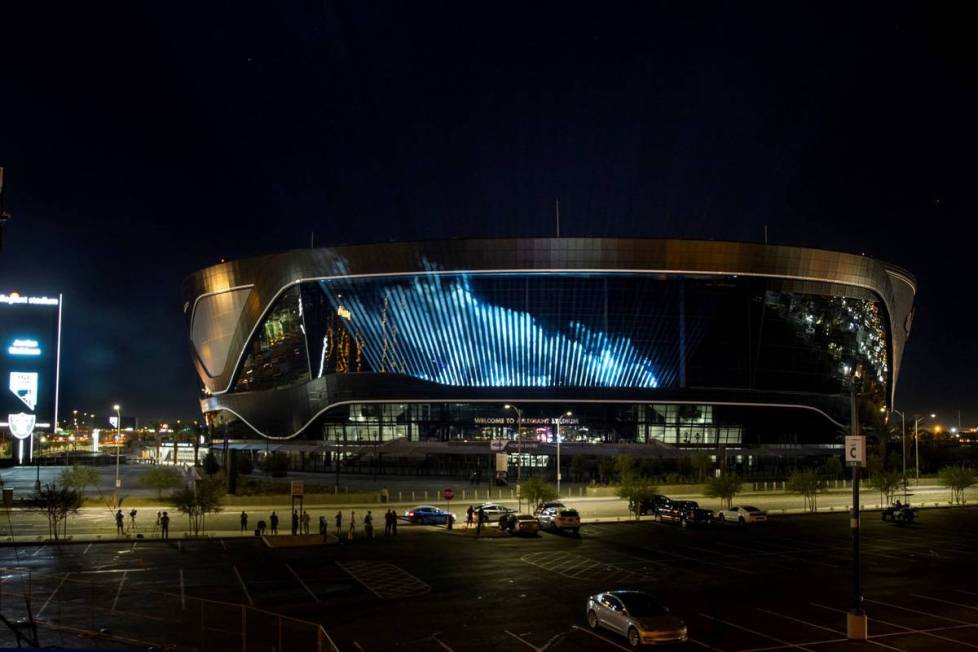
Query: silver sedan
[[636, 616]]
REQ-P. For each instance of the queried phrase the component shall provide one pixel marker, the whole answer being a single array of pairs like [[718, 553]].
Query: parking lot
[[781, 585]]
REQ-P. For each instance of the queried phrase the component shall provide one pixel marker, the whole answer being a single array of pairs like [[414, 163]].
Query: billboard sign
[[30, 351]]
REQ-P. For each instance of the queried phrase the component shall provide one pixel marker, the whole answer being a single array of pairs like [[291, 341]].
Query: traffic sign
[[855, 450], [498, 445], [298, 486], [448, 493]]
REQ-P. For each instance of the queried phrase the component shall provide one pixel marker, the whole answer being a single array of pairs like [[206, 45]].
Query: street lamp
[[519, 444], [903, 447], [916, 445], [557, 422], [118, 443]]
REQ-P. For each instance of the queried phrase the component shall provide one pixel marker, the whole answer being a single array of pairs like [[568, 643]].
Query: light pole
[[519, 445], [557, 422], [118, 445], [903, 448], [916, 446]]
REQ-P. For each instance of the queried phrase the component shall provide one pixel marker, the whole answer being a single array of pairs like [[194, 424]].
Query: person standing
[[322, 528], [339, 524], [387, 523], [295, 522], [468, 517], [132, 520], [353, 524], [480, 517], [165, 526], [305, 522], [368, 525], [273, 519], [393, 523], [244, 521], [120, 523]]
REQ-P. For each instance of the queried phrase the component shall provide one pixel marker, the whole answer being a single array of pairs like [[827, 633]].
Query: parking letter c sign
[[856, 451]]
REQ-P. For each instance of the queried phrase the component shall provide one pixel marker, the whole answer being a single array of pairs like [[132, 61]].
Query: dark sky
[[145, 140]]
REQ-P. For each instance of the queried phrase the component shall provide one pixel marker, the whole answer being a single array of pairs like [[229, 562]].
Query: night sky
[[143, 141]]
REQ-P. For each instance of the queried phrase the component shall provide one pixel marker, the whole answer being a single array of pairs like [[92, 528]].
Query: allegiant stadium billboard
[[30, 329]]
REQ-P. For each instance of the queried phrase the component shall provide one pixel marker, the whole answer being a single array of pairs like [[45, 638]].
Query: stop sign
[[448, 493]]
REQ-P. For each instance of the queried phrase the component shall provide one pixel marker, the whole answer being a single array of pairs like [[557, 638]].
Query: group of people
[[162, 523], [477, 515], [301, 523]]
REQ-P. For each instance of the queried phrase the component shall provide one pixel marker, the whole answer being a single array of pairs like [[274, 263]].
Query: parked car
[[637, 616], [743, 514], [652, 505], [522, 524], [560, 518], [428, 515], [685, 512], [899, 513], [547, 505], [493, 511]]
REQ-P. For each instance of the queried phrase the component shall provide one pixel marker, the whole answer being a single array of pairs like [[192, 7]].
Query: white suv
[[559, 518]]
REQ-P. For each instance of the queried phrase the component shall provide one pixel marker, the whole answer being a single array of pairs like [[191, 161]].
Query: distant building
[[669, 343]]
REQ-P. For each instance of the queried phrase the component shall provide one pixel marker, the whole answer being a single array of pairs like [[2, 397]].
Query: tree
[[957, 479], [887, 483], [56, 504], [79, 477], [637, 490], [211, 465], [535, 491], [198, 501], [724, 487], [808, 484], [606, 466], [161, 478]]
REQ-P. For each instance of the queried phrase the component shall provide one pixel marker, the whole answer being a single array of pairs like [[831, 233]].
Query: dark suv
[[685, 512], [653, 505]]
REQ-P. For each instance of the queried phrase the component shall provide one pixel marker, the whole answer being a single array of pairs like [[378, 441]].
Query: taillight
[[410, 514]]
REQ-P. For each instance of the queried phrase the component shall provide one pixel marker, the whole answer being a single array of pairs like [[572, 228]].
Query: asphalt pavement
[[783, 585]]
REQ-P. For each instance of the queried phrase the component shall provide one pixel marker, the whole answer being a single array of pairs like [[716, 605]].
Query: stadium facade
[[670, 344]]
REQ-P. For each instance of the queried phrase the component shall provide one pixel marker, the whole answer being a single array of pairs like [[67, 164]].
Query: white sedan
[[742, 514]]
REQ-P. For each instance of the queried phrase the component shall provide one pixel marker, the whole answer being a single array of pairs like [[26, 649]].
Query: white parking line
[[917, 611], [600, 638], [702, 561], [524, 641], [87, 548], [757, 633], [118, 591], [183, 601], [45, 605], [243, 587], [308, 590], [34, 554], [906, 630], [966, 592], [437, 640], [954, 604]]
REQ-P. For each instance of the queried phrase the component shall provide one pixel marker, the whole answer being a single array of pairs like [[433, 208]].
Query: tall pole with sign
[[856, 621]]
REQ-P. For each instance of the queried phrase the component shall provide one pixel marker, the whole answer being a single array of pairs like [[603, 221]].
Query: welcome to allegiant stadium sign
[[526, 421]]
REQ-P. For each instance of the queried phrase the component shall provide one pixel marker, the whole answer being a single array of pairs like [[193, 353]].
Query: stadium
[[417, 356]]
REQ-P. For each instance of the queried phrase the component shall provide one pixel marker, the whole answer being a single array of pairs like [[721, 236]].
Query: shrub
[[79, 477], [161, 478], [724, 487], [808, 484], [957, 479], [535, 491], [636, 491]]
